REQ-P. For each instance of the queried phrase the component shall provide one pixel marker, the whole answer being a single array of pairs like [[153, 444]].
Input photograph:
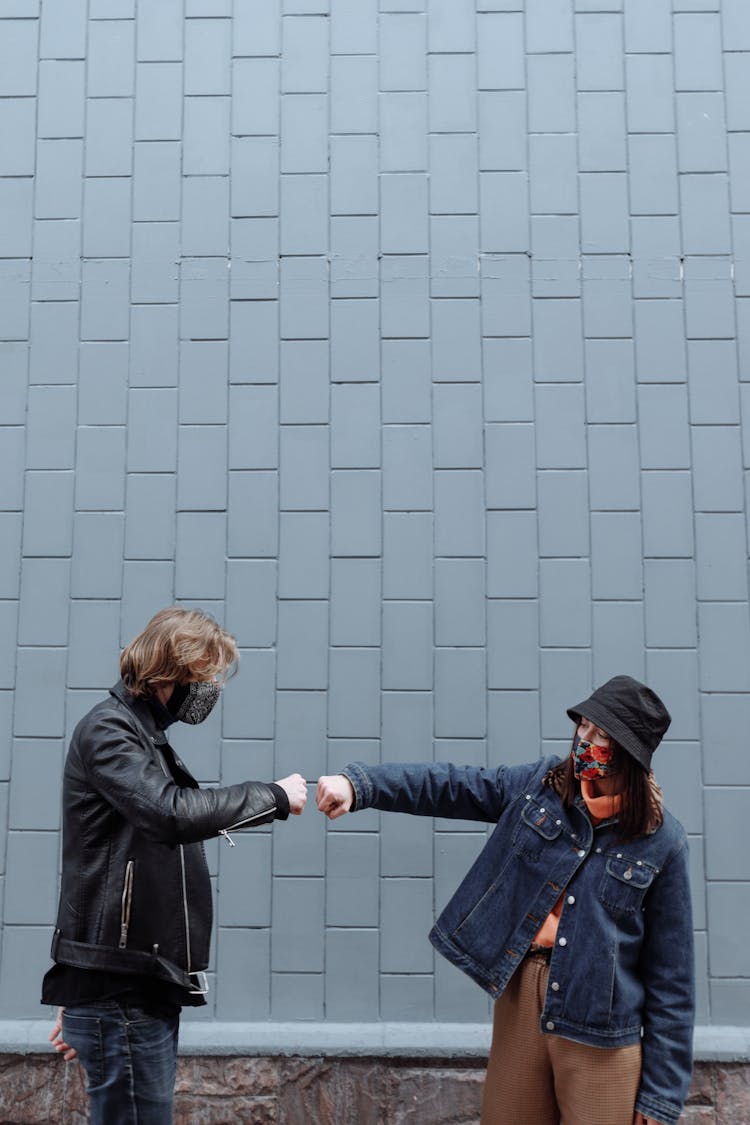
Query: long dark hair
[[641, 810]]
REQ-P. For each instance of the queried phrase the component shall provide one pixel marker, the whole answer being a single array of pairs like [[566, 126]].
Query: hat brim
[[616, 729]]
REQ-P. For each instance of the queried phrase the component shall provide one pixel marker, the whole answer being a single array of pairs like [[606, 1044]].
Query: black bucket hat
[[631, 713]]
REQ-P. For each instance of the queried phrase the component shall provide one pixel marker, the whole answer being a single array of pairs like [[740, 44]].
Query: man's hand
[[55, 1036], [639, 1119], [295, 788], [335, 795]]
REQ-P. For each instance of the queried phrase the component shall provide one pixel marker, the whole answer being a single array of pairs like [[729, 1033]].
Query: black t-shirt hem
[[66, 986]]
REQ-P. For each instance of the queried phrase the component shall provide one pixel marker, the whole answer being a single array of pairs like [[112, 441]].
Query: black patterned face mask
[[194, 702]]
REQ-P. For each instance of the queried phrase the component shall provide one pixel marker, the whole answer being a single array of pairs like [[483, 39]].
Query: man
[[134, 923]]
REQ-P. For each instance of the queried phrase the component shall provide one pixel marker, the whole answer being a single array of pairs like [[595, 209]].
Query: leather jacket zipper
[[222, 832], [188, 952], [243, 824], [185, 908], [127, 899]]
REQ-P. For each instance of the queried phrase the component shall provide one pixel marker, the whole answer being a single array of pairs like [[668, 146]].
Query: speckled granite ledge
[[40, 1089]]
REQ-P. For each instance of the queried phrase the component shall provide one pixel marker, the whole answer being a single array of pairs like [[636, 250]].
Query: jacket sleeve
[[431, 789], [667, 970], [129, 778]]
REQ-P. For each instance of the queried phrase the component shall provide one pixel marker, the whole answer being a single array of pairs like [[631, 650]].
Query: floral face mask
[[590, 760]]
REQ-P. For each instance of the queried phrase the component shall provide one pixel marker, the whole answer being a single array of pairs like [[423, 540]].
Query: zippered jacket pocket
[[126, 902]]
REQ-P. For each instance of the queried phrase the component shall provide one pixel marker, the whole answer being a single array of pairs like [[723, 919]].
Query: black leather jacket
[[135, 894]]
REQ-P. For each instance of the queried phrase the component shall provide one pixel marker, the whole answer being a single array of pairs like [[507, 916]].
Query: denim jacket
[[621, 968]]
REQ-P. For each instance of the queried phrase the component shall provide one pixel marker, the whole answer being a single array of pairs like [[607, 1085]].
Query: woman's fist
[[335, 795]]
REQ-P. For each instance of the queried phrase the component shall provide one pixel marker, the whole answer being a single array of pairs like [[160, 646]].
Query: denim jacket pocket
[[536, 828], [624, 884]]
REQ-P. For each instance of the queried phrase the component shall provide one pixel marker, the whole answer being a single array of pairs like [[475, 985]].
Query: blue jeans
[[130, 1059]]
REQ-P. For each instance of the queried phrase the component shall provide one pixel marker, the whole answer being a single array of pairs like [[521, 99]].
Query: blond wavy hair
[[178, 645]]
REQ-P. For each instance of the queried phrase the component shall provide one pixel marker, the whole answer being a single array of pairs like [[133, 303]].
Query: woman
[[131, 944], [575, 917]]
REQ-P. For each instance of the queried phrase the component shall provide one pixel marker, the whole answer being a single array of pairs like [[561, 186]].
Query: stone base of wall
[[44, 1090]]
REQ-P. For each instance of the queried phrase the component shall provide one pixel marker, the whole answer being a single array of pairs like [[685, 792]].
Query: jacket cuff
[[356, 775], [282, 801], [666, 1113]]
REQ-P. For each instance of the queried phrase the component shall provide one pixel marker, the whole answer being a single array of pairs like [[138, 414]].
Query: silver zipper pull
[[223, 832], [123, 935]]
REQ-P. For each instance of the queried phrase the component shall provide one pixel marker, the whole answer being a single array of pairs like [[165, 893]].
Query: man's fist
[[295, 788], [334, 795]]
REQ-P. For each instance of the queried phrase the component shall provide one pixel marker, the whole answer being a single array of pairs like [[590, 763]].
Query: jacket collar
[[151, 714]]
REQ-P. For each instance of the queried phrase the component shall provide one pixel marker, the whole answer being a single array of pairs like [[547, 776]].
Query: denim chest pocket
[[624, 884], [537, 828]]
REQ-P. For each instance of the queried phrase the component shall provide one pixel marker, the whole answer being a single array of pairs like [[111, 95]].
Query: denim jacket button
[[562, 941], [555, 986], [581, 853], [571, 899], [550, 1025]]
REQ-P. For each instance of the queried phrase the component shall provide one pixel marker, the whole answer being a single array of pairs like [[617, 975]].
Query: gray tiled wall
[[411, 339]]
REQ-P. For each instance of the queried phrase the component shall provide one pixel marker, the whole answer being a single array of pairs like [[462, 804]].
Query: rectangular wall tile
[[564, 587], [40, 670], [353, 863], [402, 51], [354, 94], [31, 901], [302, 643], [407, 725], [355, 426], [724, 642], [407, 468], [460, 602], [400, 953], [355, 602], [248, 710], [252, 514], [201, 468], [357, 949], [355, 504], [407, 645], [513, 644], [618, 640], [94, 628], [459, 519], [199, 554], [506, 296], [96, 570], [670, 586], [301, 716], [616, 567], [407, 554], [354, 691]]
